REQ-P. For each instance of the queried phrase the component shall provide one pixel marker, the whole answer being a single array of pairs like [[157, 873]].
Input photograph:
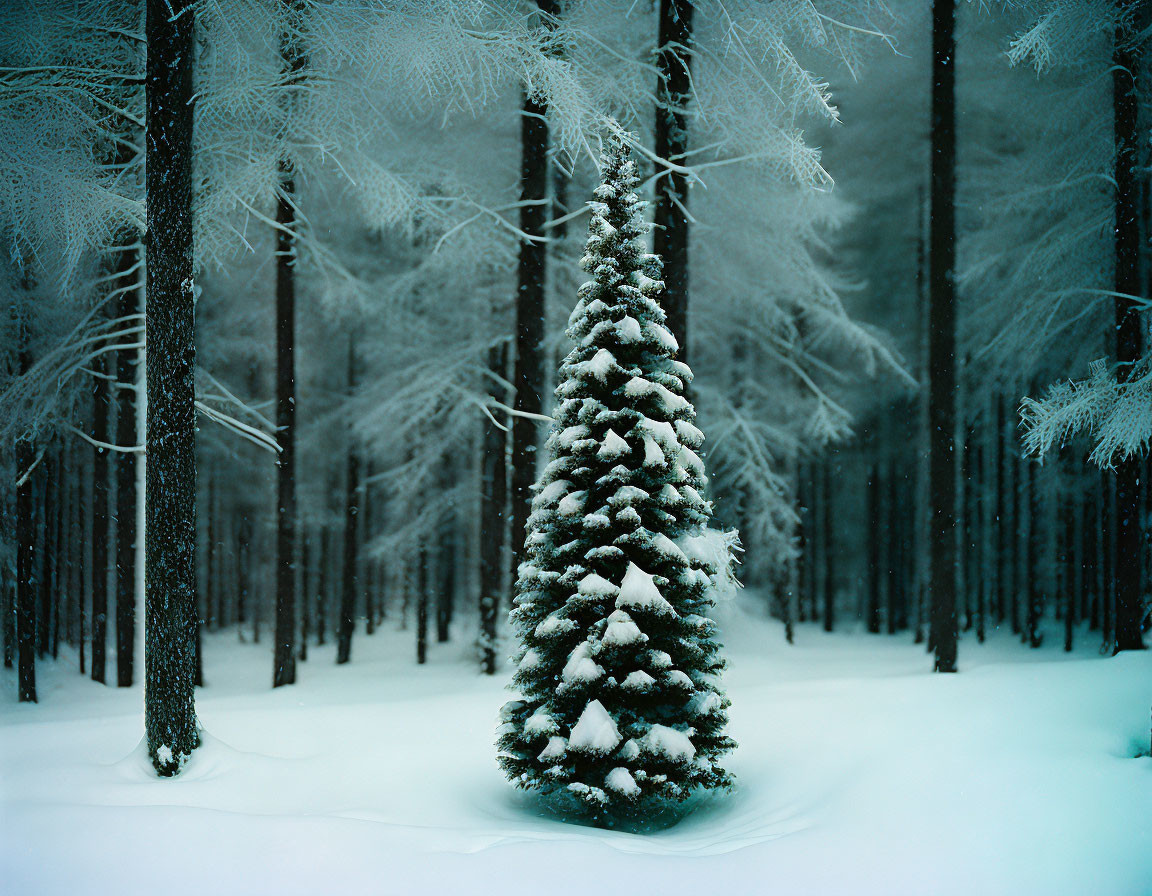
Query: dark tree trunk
[[1014, 530], [284, 658], [792, 589], [1108, 563], [422, 606], [243, 569], [670, 238], [829, 578], [284, 653], [367, 566], [1092, 532], [55, 532], [1071, 579], [1003, 551], [819, 545], [351, 579], [25, 577], [446, 596], [792, 594], [445, 600], [963, 527], [68, 550], [84, 561], [1080, 562], [895, 538], [1035, 534], [101, 511], [323, 585], [907, 577], [128, 304], [446, 556], [1128, 537], [875, 528], [8, 578], [25, 535], [811, 543], [942, 338], [979, 536], [528, 375], [494, 496], [257, 599], [922, 530], [44, 580], [170, 496], [8, 593]]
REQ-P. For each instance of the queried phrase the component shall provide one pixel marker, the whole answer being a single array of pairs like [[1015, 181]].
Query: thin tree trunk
[[1014, 536], [323, 585], [805, 537], [446, 558], [84, 553], [170, 521], [1092, 534], [25, 535], [244, 570], [907, 578], [922, 531], [875, 528], [351, 579], [1071, 582], [49, 478], [8, 581], [963, 524], [284, 653], [792, 594], [56, 531], [1003, 554], [25, 577], [670, 237], [367, 570], [494, 496], [1108, 564], [125, 461], [101, 511], [1128, 537], [1035, 585], [942, 341], [819, 545], [8, 591], [895, 538], [977, 570], [829, 554], [445, 599], [528, 374], [422, 606]]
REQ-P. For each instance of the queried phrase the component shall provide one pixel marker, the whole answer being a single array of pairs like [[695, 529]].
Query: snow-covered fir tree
[[621, 708]]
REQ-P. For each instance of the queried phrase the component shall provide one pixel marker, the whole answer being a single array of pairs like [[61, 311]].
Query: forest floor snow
[[858, 770]]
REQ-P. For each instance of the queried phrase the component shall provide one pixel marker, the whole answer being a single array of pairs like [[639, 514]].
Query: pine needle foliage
[[621, 711]]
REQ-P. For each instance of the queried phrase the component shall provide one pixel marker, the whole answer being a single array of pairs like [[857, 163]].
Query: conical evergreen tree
[[620, 707]]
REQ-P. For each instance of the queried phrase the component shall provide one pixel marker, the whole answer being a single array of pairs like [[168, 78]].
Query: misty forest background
[[906, 253]]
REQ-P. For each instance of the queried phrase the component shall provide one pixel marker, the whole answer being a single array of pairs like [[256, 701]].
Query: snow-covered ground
[[859, 772]]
